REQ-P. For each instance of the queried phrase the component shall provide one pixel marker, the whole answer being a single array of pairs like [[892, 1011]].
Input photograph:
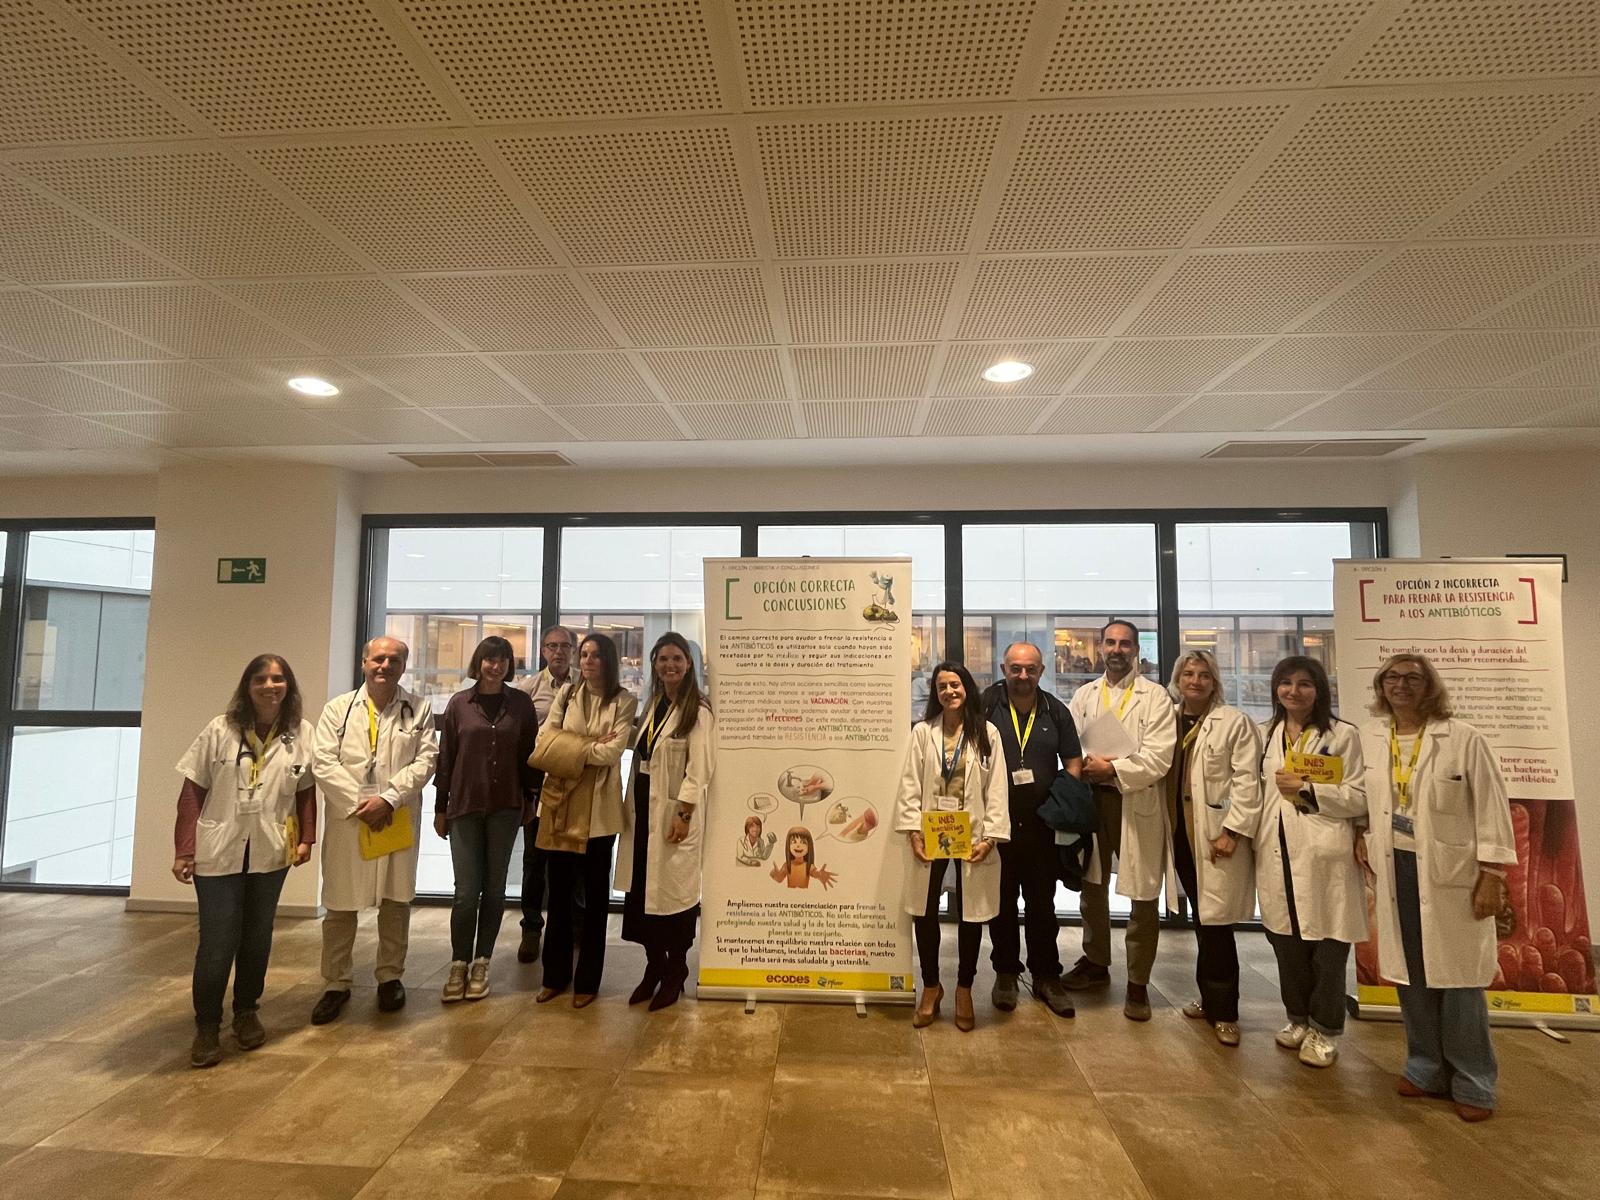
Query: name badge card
[[1022, 776]]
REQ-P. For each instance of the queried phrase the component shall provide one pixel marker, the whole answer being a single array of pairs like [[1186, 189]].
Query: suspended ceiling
[[718, 229]]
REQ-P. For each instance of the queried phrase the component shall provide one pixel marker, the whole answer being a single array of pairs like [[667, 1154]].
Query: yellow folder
[[291, 838], [398, 834], [947, 834]]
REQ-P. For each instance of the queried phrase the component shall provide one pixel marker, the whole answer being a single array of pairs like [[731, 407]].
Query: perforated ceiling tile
[[1053, 297], [199, 209], [588, 58], [1477, 359], [16, 410], [859, 419], [269, 378], [1573, 301], [412, 206], [1500, 410], [1237, 412], [715, 306], [1138, 178], [8, 355], [64, 391], [271, 66], [101, 433], [623, 423], [1581, 369], [47, 244], [1302, 364], [739, 422], [705, 375], [1367, 410], [579, 378], [876, 187], [53, 88], [1112, 47], [1483, 39], [513, 312], [185, 386], [1182, 364], [398, 427], [868, 302], [1557, 193], [187, 318], [821, 53], [346, 316], [978, 417], [277, 427], [1052, 363], [1579, 416], [863, 372], [1110, 414], [637, 195], [41, 328], [457, 381], [1372, 169], [508, 426], [1245, 293]]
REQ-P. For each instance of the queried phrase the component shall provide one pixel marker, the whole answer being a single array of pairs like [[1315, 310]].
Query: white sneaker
[[478, 980], [1319, 1050], [455, 987], [1292, 1035]]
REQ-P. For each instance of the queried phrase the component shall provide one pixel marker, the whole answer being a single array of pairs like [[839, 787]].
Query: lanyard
[[1402, 780], [653, 726], [947, 766], [1194, 731], [1105, 698], [258, 752], [1022, 734], [1293, 754], [372, 728]]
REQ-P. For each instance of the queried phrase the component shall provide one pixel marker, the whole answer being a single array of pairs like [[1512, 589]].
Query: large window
[[76, 604]]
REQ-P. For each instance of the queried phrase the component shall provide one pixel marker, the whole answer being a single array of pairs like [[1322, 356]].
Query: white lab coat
[[1224, 769], [1329, 896], [219, 761], [407, 752], [570, 712], [1140, 777], [680, 770], [1458, 801], [985, 797]]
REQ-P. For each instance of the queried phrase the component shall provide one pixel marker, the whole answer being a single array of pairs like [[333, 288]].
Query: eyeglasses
[[1390, 679], [557, 645]]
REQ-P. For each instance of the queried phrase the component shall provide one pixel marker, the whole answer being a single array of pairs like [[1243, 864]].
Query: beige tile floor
[[504, 1098]]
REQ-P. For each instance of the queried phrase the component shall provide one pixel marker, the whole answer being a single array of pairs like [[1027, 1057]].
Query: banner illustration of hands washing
[[809, 662]]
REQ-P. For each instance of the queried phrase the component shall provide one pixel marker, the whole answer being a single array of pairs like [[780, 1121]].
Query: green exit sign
[[241, 570]]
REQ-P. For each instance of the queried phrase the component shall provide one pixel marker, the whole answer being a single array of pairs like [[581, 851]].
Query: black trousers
[[1027, 866], [1216, 967], [1310, 973], [535, 884], [969, 935], [666, 937], [567, 871]]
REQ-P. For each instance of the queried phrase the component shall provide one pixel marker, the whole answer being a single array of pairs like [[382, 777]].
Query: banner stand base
[[751, 997], [1589, 1022]]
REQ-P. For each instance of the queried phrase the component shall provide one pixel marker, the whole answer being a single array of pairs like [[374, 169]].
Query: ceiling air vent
[[510, 458], [1343, 448]]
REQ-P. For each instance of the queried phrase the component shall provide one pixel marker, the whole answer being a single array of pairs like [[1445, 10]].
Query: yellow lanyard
[[1105, 698], [372, 729], [1023, 734], [657, 716], [258, 752], [1292, 755], [1194, 730], [1402, 779]]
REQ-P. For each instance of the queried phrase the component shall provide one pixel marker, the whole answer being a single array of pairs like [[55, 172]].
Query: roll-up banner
[[809, 663], [1492, 628]]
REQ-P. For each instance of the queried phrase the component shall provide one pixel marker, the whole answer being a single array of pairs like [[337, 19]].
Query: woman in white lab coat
[[1312, 900], [1438, 844], [953, 764], [1213, 809], [247, 813], [658, 860]]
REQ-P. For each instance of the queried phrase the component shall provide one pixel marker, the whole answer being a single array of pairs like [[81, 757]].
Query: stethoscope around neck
[[405, 707]]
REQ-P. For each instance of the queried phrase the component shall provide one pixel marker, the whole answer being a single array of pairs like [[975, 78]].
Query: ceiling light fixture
[[312, 386], [1008, 372]]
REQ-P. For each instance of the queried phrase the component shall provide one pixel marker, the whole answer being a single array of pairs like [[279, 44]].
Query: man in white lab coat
[[1126, 725], [374, 753]]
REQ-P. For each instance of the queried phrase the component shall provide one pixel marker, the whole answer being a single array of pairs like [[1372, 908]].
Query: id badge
[[947, 803], [1022, 776], [1401, 823], [248, 803]]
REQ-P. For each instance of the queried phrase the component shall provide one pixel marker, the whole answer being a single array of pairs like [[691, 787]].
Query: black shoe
[[1004, 996], [1055, 996], [329, 1007], [528, 950], [247, 1029], [671, 989], [647, 985], [207, 1049], [1085, 975], [391, 996]]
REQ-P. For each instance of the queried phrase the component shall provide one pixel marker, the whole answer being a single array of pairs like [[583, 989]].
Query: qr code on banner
[[897, 983], [1581, 1004]]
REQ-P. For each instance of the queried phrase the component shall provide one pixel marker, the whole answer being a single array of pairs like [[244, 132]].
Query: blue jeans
[[1448, 1050], [236, 913], [480, 850]]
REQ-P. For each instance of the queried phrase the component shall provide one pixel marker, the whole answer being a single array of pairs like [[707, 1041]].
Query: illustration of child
[[754, 847], [799, 867]]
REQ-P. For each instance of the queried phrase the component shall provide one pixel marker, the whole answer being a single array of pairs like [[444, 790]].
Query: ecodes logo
[[797, 980]]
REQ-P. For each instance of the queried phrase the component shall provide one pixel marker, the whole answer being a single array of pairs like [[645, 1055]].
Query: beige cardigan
[[589, 720]]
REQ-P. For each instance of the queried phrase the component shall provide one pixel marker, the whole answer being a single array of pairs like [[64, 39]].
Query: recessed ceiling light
[[312, 386], [416, 556], [1008, 372]]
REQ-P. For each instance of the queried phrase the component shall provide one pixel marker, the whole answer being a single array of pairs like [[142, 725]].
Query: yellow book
[[291, 838], [947, 834], [1318, 768], [398, 834]]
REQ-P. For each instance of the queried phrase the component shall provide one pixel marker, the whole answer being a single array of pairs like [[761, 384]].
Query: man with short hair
[[556, 647], [373, 753], [1039, 741], [1125, 722]]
